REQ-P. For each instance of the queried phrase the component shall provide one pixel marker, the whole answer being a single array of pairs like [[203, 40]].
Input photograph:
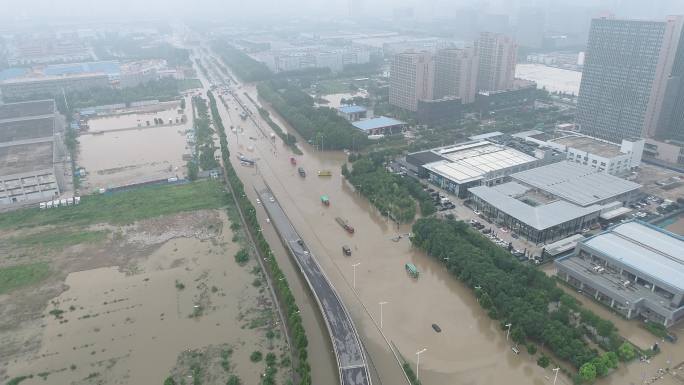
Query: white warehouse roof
[[471, 161], [582, 185], [651, 251]]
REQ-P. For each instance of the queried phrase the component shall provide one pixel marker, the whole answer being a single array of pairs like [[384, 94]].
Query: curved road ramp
[[349, 353]]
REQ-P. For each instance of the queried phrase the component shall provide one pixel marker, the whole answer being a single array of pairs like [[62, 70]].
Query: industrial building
[[537, 217], [579, 184], [599, 154], [27, 152], [461, 166], [21, 88], [352, 113], [635, 268], [551, 202], [380, 125]]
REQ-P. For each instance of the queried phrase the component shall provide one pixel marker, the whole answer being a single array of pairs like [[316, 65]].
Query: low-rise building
[[635, 268], [380, 125], [523, 94], [448, 110], [21, 88], [551, 202], [604, 156], [458, 167], [352, 113]]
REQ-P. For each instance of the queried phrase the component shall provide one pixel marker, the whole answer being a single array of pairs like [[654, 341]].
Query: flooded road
[[471, 349]]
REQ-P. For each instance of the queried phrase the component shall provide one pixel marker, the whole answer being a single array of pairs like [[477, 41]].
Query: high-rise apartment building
[[411, 79], [626, 70], [671, 123], [497, 55], [456, 73]]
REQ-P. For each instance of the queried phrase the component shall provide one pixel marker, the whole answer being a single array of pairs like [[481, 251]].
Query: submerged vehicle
[[301, 171], [324, 173], [325, 200], [293, 161], [345, 225], [346, 250], [412, 270]]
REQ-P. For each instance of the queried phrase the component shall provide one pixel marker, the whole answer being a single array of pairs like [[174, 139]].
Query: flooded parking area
[[133, 156], [136, 120]]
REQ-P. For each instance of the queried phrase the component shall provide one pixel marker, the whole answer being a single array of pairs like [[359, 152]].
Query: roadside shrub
[[256, 356], [242, 257]]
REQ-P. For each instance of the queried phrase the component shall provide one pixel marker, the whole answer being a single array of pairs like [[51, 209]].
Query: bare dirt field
[[135, 303]]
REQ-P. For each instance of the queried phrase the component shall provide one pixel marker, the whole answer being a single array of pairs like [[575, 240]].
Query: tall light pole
[[381, 303], [418, 353], [556, 376], [508, 333], [354, 267]]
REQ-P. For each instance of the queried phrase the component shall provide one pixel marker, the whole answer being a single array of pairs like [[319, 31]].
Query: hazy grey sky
[[55, 10]]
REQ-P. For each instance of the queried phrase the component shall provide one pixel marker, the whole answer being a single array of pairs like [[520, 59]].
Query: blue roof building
[[380, 125], [352, 113]]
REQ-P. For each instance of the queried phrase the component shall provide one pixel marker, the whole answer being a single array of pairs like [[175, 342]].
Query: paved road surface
[[351, 359]]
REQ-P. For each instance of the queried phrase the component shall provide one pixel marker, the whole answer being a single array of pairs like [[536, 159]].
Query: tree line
[[539, 311], [281, 286], [321, 126], [391, 194], [243, 65], [204, 142]]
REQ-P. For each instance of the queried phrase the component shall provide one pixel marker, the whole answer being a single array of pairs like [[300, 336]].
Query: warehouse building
[[26, 87], [380, 126], [458, 167], [551, 202], [635, 268], [27, 152]]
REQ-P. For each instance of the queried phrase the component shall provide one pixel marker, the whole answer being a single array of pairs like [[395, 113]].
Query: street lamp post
[[508, 333], [556, 376], [381, 303], [418, 353], [354, 267]]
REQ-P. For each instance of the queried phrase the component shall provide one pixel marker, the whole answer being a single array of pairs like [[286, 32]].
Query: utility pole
[[556, 376], [354, 268], [418, 353], [508, 333], [382, 303]]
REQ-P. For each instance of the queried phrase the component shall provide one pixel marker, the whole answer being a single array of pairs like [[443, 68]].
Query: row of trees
[[242, 64], [391, 194], [516, 293], [320, 126], [282, 288], [288, 138], [204, 137]]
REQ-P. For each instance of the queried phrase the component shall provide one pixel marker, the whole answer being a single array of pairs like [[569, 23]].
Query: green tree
[[543, 361], [169, 381], [242, 256], [588, 372], [626, 352], [193, 170], [233, 380], [531, 349], [256, 356]]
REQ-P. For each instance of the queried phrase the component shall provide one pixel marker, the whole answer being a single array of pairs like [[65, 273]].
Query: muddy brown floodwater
[[130, 327], [471, 348], [138, 155]]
